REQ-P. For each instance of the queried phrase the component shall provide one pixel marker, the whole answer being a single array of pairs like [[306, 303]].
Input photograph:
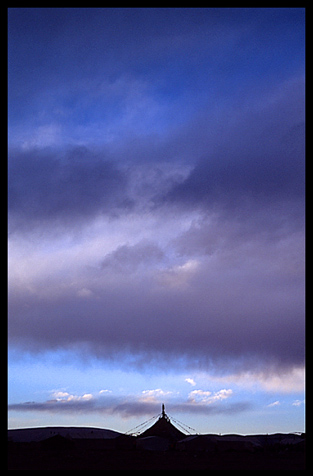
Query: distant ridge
[[79, 448], [72, 432], [160, 428]]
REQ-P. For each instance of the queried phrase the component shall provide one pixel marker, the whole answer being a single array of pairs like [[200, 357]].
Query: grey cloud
[[127, 257], [249, 227], [226, 409], [249, 162], [256, 157], [127, 407], [223, 314], [244, 301], [63, 187]]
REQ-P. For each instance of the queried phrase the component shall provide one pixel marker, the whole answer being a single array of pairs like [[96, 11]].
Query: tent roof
[[164, 428]]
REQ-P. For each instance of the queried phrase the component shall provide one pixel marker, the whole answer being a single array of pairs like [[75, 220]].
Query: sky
[[156, 217]]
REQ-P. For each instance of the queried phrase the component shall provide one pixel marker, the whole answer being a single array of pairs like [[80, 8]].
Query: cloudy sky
[[156, 217]]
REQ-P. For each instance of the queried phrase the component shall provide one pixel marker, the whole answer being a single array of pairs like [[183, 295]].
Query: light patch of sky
[[41, 376], [40, 380]]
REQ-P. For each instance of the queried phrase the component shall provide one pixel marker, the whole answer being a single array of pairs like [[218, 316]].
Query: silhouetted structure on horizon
[[163, 428]]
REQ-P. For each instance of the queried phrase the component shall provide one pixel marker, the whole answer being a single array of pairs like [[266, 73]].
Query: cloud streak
[[148, 403]]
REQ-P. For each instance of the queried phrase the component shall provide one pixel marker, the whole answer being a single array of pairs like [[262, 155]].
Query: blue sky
[[156, 217]]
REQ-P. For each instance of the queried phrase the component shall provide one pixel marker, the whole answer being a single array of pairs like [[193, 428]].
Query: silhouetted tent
[[164, 429], [153, 443], [125, 442]]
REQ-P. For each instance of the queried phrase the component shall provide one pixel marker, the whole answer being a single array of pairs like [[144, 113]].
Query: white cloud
[[87, 396], [60, 396], [206, 397], [274, 404], [298, 403], [199, 396], [191, 381], [153, 395], [85, 293]]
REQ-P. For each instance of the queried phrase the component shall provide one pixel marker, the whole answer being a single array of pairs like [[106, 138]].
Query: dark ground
[[90, 456]]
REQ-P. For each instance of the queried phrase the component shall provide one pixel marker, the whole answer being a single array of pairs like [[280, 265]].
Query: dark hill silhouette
[[57, 442], [162, 446]]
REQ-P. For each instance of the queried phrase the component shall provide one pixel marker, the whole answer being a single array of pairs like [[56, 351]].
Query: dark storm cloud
[[63, 187], [233, 292], [255, 158], [232, 288], [250, 162], [223, 315]]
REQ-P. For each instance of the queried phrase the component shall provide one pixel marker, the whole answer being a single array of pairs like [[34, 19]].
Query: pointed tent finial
[[163, 410]]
